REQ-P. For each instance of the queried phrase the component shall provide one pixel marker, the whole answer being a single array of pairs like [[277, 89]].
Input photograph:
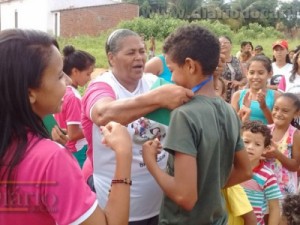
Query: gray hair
[[112, 43]]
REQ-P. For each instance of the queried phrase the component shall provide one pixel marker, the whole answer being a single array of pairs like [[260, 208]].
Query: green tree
[[183, 9], [148, 7], [289, 14], [259, 11]]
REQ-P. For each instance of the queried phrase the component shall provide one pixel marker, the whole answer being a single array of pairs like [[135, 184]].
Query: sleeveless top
[[256, 112], [286, 179], [166, 73]]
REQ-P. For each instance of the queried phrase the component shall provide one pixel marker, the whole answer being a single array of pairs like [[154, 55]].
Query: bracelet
[[121, 181]]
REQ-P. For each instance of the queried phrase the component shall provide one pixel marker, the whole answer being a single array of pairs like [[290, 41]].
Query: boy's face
[[254, 143], [179, 73]]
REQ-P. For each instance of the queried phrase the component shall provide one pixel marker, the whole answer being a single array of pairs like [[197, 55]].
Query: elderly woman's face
[[225, 45], [129, 61]]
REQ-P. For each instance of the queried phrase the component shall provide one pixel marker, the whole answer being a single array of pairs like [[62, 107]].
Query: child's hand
[[59, 135], [244, 113], [247, 99], [117, 137], [235, 84], [150, 150], [261, 98], [272, 150]]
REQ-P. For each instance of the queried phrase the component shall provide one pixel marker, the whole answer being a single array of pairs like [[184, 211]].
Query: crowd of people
[[229, 154]]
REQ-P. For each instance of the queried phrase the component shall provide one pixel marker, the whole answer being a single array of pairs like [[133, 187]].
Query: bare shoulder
[[154, 66]]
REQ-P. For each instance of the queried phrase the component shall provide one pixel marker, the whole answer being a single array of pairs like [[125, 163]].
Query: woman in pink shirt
[[41, 182], [78, 65]]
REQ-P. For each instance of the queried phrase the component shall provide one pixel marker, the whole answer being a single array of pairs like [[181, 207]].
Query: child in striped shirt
[[262, 190]]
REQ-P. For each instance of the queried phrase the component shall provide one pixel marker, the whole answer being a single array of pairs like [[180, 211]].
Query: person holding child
[[41, 182], [206, 151], [258, 98], [262, 190], [123, 95]]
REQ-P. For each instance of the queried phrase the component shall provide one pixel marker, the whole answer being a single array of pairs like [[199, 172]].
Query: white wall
[[32, 14]]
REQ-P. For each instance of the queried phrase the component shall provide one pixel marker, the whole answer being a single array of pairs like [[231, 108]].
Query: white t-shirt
[[145, 195], [278, 72]]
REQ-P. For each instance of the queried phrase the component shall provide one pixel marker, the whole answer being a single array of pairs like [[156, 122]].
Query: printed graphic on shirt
[[145, 130], [275, 79]]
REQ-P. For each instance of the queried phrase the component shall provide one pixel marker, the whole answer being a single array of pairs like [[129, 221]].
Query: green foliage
[[93, 45], [215, 27], [255, 31], [159, 26]]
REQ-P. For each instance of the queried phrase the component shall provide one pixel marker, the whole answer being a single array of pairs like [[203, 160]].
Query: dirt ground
[[98, 71]]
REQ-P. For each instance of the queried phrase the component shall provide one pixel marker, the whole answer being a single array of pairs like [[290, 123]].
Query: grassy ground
[[95, 46]]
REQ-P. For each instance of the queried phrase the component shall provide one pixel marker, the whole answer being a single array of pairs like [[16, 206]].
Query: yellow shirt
[[237, 204]]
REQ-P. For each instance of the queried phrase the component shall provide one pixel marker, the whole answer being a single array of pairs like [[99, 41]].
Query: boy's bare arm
[[274, 212], [249, 218], [241, 170]]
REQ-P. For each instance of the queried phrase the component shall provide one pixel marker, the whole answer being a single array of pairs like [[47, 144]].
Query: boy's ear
[[192, 65]]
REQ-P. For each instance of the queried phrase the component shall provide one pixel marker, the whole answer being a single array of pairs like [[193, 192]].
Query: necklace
[[199, 86]]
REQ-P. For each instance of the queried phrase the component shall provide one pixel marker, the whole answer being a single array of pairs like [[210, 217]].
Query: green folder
[[161, 115], [49, 122]]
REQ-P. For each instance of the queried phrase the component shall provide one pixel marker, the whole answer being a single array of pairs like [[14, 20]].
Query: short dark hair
[[291, 209], [259, 47], [195, 42], [255, 127]]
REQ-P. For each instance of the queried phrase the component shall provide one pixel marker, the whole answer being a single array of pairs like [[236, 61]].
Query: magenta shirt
[[70, 115], [49, 188], [94, 92]]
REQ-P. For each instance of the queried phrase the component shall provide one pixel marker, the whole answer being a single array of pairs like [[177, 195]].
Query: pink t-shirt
[[94, 92], [49, 188], [71, 115]]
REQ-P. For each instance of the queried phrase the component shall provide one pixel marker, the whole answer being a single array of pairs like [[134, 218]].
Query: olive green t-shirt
[[208, 129]]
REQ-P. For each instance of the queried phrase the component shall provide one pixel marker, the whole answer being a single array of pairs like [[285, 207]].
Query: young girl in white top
[[283, 157], [281, 63], [291, 82]]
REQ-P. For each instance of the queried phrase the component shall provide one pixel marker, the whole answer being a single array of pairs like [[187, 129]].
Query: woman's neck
[[280, 63], [74, 85], [255, 91], [228, 57], [127, 84]]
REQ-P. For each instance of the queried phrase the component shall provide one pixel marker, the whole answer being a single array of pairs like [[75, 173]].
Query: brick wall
[[94, 20]]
